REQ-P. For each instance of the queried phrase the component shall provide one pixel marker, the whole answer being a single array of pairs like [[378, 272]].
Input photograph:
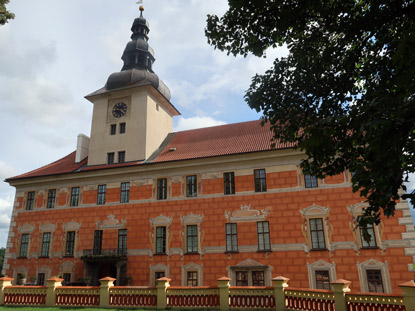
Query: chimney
[[82, 148]]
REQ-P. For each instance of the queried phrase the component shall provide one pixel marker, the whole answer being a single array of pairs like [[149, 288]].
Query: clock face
[[119, 110]]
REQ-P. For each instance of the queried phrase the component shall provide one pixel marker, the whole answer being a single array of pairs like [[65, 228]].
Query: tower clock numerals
[[119, 110]]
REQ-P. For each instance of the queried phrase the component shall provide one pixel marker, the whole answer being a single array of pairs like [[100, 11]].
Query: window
[[158, 275], [30, 200], [122, 128], [125, 192], [191, 237], [162, 189], [40, 279], [113, 129], [122, 242], [102, 189], [229, 183], [97, 242], [66, 278], [231, 238], [310, 181], [371, 231], [263, 236], [121, 156], [317, 234], [191, 186], [51, 198], [374, 281], [258, 278], [241, 278], [75, 196], [322, 279], [110, 158], [45, 244], [260, 179], [24, 245], [192, 278], [70, 243], [160, 240]]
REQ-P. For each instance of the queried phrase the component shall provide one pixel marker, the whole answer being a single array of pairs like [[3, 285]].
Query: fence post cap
[[54, 280], [224, 278], [341, 282], [280, 278], [107, 278], [5, 278], [165, 279], [406, 284]]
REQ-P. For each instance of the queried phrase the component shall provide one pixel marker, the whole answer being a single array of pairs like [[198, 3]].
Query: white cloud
[[6, 205], [196, 122]]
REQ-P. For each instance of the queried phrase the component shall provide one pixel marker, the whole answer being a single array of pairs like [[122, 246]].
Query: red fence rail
[[77, 296], [24, 299], [251, 297], [374, 302], [201, 296]]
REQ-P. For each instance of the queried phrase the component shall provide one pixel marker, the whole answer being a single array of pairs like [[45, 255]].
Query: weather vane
[[141, 5]]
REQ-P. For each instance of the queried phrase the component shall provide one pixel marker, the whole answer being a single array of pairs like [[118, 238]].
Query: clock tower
[[132, 113]]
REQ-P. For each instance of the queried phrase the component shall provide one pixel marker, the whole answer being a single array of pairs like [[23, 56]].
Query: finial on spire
[[141, 7]]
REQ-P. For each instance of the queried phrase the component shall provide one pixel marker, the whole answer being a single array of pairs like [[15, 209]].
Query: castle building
[[137, 201]]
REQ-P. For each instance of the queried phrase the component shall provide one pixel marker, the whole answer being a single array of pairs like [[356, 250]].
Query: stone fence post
[[4, 282], [104, 291], [280, 283], [224, 293], [408, 293], [162, 285], [340, 288], [51, 285]]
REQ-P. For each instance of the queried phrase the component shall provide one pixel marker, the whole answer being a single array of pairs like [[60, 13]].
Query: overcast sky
[[55, 52]]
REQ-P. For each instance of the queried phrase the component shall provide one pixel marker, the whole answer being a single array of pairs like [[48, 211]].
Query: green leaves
[[4, 14], [345, 93]]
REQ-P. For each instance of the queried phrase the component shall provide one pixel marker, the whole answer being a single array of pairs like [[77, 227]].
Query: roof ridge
[[213, 126]]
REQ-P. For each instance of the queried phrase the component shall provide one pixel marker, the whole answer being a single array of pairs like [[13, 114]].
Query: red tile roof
[[206, 142]]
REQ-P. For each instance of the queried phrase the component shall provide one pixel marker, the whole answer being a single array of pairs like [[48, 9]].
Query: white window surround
[[192, 267], [356, 210], [192, 219], [373, 264], [160, 221], [250, 265], [316, 211], [318, 266], [158, 268], [21, 269], [46, 270], [67, 267]]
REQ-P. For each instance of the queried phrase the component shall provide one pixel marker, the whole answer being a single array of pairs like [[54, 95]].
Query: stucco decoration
[[373, 264], [160, 221], [177, 179], [48, 227], [318, 266], [317, 211], [192, 267], [193, 219], [26, 228], [158, 268], [111, 223], [71, 226], [246, 214], [67, 267], [212, 176]]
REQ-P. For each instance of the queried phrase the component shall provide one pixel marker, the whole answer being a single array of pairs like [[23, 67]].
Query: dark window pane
[[75, 196], [45, 244], [374, 281], [51, 198], [162, 189], [160, 240], [102, 189], [192, 278], [191, 186], [310, 181], [229, 183], [66, 278], [317, 233], [41, 279], [258, 278], [70, 243], [122, 242], [192, 239], [113, 129], [241, 278], [125, 192], [158, 275], [260, 180], [30, 200], [24, 245], [121, 156], [97, 242], [263, 236], [322, 279], [122, 128], [110, 158], [371, 230], [231, 238]]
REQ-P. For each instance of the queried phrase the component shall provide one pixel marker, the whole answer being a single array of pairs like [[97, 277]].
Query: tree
[[4, 14], [2, 252], [346, 91]]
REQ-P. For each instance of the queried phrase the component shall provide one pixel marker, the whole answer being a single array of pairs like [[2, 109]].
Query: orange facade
[[283, 205]]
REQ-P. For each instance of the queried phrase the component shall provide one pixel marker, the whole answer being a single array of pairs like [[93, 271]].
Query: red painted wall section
[[336, 179]]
